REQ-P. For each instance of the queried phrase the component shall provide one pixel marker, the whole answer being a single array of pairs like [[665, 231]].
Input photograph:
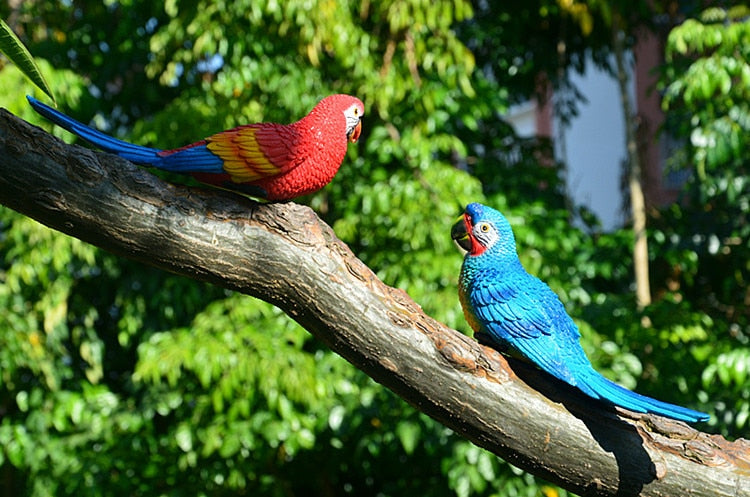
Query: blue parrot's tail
[[615, 394], [133, 153]]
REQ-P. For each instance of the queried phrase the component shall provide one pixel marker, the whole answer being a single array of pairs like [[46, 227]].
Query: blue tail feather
[[615, 394], [195, 159], [129, 151]]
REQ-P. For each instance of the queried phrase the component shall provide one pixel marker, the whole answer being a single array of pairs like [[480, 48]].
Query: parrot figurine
[[521, 316], [271, 161]]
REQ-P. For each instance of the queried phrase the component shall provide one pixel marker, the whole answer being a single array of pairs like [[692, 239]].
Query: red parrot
[[276, 162]]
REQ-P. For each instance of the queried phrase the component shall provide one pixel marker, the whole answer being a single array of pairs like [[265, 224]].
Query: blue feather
[[196, 159], [615, 394], [522, 315]]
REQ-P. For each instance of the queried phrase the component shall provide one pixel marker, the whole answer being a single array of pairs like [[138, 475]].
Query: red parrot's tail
[[129, 151]]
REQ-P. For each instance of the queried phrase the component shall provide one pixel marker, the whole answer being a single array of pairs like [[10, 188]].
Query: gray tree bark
[[284, 254]]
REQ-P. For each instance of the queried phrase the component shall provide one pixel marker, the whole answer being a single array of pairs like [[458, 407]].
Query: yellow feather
[[243, 159]]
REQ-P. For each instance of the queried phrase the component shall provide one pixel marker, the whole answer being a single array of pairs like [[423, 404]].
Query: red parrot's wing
[[254, 151]]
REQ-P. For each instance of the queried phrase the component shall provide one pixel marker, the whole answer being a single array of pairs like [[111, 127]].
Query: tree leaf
[[12, 47]]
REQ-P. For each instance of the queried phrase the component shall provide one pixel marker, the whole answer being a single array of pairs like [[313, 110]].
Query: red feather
[[274, 161], [287, 161]]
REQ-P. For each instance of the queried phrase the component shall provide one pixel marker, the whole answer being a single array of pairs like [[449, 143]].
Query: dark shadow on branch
[[612, 433]]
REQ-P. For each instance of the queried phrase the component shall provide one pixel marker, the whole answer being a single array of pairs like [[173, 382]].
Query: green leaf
[[12, 47], [408, 433]]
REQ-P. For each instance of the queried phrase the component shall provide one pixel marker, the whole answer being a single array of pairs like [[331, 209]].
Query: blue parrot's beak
[[460, 234]]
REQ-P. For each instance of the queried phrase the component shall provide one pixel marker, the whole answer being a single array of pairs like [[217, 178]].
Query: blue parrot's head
[[483, 229]]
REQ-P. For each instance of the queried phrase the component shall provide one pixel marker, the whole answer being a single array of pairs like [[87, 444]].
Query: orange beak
[[354, 133]]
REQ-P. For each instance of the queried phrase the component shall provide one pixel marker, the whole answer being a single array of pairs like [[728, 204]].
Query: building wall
[[593, 144], [593, 147]]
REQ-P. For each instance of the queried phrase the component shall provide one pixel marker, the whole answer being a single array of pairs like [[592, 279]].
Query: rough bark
[[284, 254]]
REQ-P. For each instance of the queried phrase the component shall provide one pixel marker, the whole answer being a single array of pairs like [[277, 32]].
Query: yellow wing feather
[[243, 156]]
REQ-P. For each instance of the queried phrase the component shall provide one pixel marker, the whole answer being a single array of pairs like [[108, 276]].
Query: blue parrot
[[520, 315]]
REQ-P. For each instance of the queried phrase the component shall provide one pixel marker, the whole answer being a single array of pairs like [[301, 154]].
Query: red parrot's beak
[[355, 132]]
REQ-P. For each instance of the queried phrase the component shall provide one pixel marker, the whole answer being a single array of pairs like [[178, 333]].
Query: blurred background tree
[[120, 379]]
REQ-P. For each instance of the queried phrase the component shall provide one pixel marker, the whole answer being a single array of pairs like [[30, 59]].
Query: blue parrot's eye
[[484, 227]]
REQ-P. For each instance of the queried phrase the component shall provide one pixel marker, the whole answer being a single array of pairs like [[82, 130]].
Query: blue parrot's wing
[[512, 307], [527, 318]]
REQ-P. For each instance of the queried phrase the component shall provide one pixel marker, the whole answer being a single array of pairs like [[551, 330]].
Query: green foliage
[[119, 379], [709, 91], [702, 244]]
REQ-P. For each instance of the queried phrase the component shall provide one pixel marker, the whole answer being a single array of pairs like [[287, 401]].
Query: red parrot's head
[[328, 111], [353, 114]]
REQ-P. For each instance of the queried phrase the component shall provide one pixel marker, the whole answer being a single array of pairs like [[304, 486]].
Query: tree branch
[[284, 254]]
